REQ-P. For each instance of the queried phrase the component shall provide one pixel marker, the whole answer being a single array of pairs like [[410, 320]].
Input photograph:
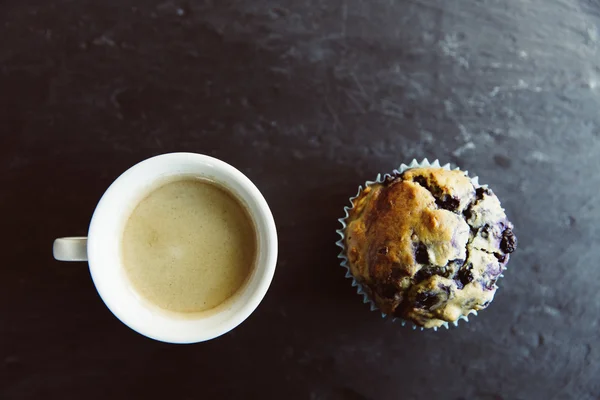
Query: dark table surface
[[309, 99]]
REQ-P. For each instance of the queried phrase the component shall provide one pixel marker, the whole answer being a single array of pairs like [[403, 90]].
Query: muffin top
[[427, 245]]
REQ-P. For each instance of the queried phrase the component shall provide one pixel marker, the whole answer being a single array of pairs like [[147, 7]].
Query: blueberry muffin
[[428, 246]]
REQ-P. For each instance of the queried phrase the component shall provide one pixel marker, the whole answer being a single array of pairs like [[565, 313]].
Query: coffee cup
[[102, 249]]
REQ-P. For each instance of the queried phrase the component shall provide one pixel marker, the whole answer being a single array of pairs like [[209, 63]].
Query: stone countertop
[[309, 99]]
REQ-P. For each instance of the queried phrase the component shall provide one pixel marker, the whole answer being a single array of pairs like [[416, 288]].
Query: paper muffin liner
[[341, 242]]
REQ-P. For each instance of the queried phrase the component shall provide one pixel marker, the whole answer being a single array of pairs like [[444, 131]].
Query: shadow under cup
[[105, 240]]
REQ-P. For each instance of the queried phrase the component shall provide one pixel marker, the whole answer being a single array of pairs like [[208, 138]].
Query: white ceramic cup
[[102, 249]]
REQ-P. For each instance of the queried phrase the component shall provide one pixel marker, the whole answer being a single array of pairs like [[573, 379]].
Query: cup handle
[[70, 249]]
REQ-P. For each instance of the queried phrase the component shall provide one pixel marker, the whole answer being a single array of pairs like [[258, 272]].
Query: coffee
[[189, 245]]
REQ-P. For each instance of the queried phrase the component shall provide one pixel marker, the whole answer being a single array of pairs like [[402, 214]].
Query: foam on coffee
[[189, 245]]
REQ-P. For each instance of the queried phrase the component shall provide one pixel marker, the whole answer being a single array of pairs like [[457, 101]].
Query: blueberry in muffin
[[427, 246]]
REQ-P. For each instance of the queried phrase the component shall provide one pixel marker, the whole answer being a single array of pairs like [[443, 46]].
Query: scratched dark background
[[309, 99]]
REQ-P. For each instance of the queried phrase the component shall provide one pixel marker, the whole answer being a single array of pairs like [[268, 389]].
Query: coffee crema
[[189, 245]]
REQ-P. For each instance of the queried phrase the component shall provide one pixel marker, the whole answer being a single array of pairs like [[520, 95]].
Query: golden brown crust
[[408, 242]]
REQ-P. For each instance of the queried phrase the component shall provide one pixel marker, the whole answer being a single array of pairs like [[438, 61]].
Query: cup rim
[[266, 229]]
